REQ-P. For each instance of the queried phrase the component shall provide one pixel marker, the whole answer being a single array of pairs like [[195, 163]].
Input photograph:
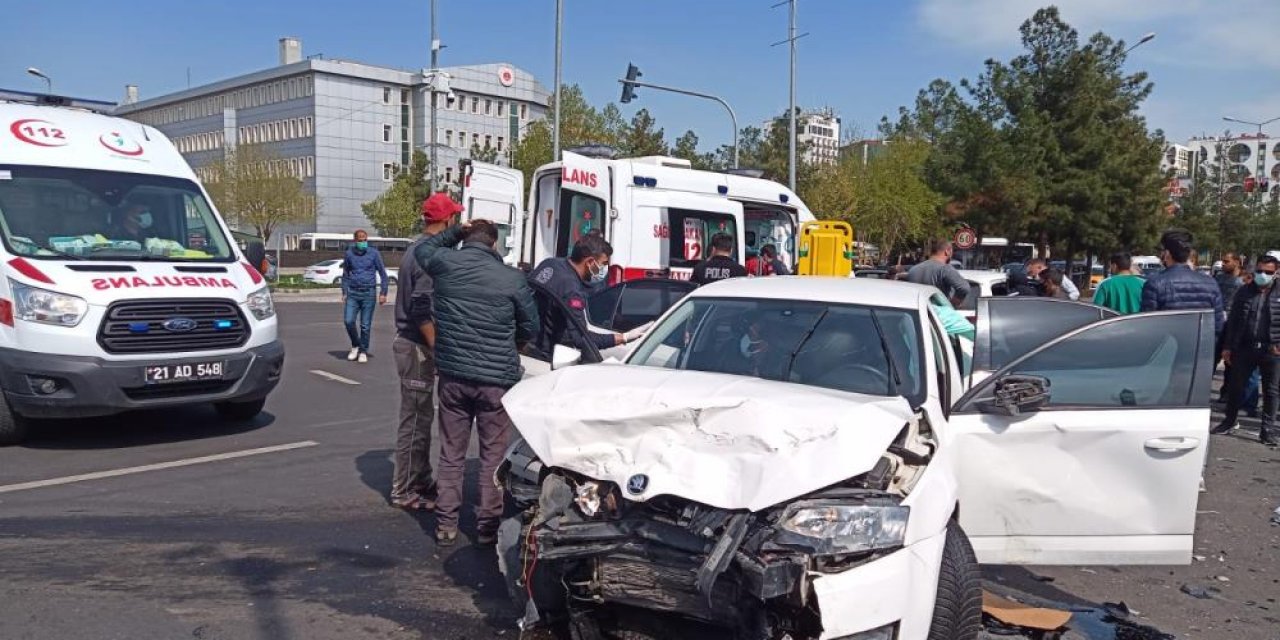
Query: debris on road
[[1016, 614], [1275, 516], [1200, 593]]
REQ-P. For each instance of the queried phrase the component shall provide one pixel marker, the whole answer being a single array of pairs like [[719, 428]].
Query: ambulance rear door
[[568, 206], [494, 193], [680, 227]]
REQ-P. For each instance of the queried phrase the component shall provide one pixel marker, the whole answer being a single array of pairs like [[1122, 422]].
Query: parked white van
[[121, 287]]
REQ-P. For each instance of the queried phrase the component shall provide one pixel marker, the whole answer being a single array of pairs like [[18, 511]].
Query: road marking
[[333, 376], [98, 475]]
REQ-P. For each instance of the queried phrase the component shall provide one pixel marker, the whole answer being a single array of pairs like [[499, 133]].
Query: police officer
[[572, 279], [720, 266]]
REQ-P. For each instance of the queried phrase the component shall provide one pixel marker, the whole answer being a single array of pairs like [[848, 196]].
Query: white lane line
[[333, 376], [98, 475]]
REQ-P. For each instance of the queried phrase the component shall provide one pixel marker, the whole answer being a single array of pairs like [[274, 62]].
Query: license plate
[[162, 374]]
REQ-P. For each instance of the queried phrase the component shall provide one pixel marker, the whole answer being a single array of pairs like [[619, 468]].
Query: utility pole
[[791, 102], [555, 130], [435, 66]]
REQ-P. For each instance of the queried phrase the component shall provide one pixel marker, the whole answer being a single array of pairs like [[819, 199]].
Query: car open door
[[631, 304], [561, 341], [494, 193], [1107, 469], [1009, 328]]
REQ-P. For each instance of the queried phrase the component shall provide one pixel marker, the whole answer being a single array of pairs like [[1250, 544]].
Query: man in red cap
[[412, 486]]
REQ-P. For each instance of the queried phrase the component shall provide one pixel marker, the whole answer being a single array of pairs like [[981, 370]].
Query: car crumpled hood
[[726, 441]]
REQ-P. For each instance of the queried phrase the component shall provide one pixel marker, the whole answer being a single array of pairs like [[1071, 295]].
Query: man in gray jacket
[[938, 272], [411, 484], [482, 309]]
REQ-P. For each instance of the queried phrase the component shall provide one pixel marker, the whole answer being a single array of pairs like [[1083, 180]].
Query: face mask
[[361, 245], [748, 347], [598, 273], [144, 220], [1263, 279]]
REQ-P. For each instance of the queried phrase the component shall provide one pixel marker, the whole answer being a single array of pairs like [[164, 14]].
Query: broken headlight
[[837, 529]]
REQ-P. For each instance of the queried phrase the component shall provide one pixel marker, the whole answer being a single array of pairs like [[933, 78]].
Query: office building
[[345, 127]]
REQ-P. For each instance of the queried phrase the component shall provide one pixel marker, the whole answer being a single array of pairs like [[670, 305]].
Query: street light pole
[[48, 83], [791, 108], [733, 117], [435, 68], [555, 126], [1145, 39]]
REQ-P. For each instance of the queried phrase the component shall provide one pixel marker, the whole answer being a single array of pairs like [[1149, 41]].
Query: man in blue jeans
[[362, 268]]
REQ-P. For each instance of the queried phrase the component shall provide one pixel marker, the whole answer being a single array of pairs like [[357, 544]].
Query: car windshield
[[845, 347], [49, 212]]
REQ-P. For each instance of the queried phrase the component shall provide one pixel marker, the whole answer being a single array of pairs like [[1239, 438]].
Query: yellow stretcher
[[826, 249]]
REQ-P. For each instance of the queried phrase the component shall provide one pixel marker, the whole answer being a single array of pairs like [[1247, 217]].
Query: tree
[[484, 154], [642, 137], [1049, 146], [686, 148], [397, 213], [580, 124], [252, 186]]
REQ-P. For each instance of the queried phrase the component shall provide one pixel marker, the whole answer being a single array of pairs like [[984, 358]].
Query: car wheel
[[957, 611], [337, 282], [13, 427], [392, 281], [240, 411]]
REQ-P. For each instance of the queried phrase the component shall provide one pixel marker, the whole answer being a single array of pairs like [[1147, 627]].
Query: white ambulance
[[657, 212], [122, 288]]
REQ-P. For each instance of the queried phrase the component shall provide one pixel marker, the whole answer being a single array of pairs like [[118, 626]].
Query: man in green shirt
[[1122, 292]]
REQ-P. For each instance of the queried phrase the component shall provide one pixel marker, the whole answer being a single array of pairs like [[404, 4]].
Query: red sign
[[578, 176], [506, 76], [692, 239], [41, 133], [966, 238], [120, 144]]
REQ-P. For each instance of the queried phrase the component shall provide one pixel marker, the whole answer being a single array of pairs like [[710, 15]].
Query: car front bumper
[[89, 386]]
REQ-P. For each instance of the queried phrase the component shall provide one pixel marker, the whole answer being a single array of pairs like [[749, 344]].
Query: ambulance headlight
[[48, 307], [261, 304]]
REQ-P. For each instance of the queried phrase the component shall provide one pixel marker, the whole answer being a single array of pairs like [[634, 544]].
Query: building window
[[448, 137], [502, 107], [524, 112], [488, 141], [475, 139], [475, 105], [405, 96], [462, 139], [488, 107], [386, 95], [386, 133], [388, 172], [462, 102], [499, 139], [448, 174], [307, 127]]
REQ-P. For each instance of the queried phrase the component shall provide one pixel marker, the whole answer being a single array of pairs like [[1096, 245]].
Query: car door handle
[[1177, 443]]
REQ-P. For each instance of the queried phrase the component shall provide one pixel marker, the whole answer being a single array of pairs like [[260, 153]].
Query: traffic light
[[629, 89]]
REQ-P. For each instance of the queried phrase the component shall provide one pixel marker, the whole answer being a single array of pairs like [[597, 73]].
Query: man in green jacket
[[481, 310], [1122, 292]]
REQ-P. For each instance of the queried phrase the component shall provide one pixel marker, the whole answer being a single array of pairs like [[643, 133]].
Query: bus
[[340, 242]]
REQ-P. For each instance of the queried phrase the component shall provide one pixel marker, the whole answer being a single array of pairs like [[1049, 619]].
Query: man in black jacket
[[1179, 286], [1252, 339], [721, 265], [482, 309]]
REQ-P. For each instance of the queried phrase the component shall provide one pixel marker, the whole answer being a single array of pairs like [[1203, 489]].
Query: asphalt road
[[280, 528]]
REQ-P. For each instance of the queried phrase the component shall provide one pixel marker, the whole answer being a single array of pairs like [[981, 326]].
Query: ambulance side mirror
[[256, 253]]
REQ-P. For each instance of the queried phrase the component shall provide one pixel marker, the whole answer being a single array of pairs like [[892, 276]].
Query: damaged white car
[[803, 458]]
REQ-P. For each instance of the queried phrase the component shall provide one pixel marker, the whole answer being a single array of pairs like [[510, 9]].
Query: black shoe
[[1223, 427], [1269, 439]]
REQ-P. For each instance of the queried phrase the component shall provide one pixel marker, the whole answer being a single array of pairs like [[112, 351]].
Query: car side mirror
[[563, 356], [256, 253], [1014, 395]]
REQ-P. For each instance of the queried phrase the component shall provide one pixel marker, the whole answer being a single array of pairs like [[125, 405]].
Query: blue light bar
[[223, 324], [723, 189], [637, 181], [651, 182], [139, 327], [783, 197]]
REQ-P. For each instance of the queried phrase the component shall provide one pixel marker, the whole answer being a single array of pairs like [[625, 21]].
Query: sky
[[862, 58]]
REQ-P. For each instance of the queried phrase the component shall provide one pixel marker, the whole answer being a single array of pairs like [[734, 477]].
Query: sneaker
[[1223, 427], [413, 503], [446, 537], [362, 358], [1269, 439], [355, 353]]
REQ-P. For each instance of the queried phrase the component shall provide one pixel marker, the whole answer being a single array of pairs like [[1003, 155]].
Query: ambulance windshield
[[50, 212]]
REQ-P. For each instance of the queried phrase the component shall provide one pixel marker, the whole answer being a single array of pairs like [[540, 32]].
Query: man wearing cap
[[411, 484]]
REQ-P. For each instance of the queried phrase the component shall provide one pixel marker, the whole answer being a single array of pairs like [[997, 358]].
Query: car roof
[[867, 291], [983, 276]]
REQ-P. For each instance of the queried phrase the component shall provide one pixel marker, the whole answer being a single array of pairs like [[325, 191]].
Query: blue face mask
[[144, 220], [598, 273], [1263, 279], [361, 245]]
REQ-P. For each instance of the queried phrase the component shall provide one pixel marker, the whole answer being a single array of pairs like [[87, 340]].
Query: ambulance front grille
[[139, 326]]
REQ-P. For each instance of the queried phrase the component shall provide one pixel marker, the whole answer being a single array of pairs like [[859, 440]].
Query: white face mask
[[598, 273], [144, 220], [748, 347]]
